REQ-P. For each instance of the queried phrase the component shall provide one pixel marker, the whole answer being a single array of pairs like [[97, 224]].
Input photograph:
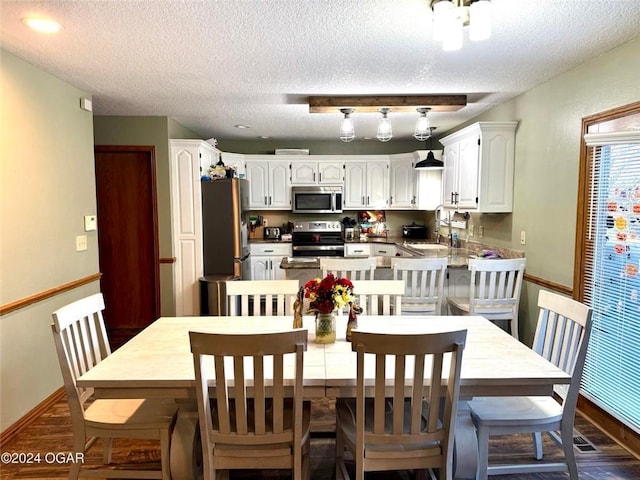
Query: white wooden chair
[[379, 297], [424, 283], [494, 290], [252, 423], [81, 343], [261, 297], [397, 429], [351, 268], [562, 336]]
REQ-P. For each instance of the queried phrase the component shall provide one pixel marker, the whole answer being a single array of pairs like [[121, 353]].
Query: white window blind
[[611, 375]]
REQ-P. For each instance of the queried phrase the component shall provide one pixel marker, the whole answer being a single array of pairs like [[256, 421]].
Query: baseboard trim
[[31, 416], [614, 428]]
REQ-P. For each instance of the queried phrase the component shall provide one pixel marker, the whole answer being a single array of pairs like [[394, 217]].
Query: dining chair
[[351, 268], [252, 422], [562, 335], [494, 290], [261, 297], [81, 343], [379, 297], [410, 424], [424, 283]]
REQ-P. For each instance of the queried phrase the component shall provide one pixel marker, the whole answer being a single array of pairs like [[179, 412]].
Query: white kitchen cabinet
[[322, 172], [269, 182], [357, 250], [456, 285], [403, 183], [265, 260], [478, 168], [186, 220], [366, 183]]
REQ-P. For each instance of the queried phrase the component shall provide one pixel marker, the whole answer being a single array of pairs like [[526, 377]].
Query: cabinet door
[[378, 184], [450, 175], [354, 185], [258, 176], [279, 185], [402, 184], [304, 173], [277, 273], [208, 158], [330, 173], [468, 164], [259, 268], [458, 283]]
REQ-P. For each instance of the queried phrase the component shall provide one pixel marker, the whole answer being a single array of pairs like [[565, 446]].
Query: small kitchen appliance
[[326, 199], [272, 233], [414, 231]]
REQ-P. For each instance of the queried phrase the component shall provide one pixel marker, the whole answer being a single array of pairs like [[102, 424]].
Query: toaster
[[272, 233]]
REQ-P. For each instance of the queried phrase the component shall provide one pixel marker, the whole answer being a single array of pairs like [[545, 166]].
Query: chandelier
[[449, 18]]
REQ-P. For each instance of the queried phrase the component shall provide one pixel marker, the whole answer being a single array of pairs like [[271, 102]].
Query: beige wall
[[154, 131], [47, 186]]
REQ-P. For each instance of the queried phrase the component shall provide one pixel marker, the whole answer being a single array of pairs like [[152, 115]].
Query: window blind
[[611, 375]]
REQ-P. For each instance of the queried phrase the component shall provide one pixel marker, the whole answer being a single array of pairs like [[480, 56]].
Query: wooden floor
[[51, 433]]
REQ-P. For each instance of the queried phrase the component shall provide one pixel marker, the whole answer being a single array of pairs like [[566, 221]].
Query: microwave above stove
[[316, 199]]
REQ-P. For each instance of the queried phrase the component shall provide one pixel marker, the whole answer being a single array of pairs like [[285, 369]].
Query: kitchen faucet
[[438, 214]]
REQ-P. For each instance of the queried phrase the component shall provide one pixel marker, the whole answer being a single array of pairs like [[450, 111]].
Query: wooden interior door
[[127, 238]]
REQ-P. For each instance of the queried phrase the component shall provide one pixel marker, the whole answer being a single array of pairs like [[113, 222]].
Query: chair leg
[[569, 454], [339, 455], [483, 452], [165, 449], [106, 454], [537, 444], [514, 326]]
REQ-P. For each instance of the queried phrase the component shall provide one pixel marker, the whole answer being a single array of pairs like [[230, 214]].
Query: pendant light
[[347, 129], [385, 132], [431, 162], [423, 126]]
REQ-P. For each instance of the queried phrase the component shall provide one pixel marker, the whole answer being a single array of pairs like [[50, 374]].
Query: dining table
[[157, 363]]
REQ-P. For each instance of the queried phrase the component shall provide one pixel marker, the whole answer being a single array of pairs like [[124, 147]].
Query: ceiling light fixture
[[242, 127], [449, 18], [423, 126], [431, 162], [347, 129], [399, 103], [43, 25], [385, 132]]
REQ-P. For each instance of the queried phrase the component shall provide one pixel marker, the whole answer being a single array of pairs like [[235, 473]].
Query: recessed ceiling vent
[[292, 151]]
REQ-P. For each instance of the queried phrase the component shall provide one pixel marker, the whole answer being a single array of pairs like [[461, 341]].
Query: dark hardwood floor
[[51, 433]]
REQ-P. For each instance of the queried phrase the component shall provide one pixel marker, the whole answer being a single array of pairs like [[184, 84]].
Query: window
[[609, 269]]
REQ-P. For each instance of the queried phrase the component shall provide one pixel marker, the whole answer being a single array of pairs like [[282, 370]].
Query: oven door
[[317, 244]]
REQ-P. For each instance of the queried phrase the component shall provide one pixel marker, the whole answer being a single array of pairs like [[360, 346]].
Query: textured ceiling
[[215, 64]]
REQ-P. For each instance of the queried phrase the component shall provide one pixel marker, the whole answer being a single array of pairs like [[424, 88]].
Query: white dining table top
[[158, 361]]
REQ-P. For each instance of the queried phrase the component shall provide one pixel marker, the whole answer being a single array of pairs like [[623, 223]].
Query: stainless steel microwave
[[317, 199]]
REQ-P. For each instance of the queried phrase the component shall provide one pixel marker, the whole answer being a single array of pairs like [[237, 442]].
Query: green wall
[[47, 186]]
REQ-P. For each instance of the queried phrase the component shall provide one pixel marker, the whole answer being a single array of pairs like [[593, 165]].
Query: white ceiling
[[215, 64]]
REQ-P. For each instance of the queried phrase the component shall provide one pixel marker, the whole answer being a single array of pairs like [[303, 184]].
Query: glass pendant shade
[[480, 20], [347, 129], [453, 34], [385, 132], [423, 126]]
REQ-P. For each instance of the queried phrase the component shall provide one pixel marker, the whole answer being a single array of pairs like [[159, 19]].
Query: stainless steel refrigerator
[[225, 240]]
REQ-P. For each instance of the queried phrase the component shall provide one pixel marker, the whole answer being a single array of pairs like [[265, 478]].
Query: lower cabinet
[[265, 260], [357, 250], [456, 285]]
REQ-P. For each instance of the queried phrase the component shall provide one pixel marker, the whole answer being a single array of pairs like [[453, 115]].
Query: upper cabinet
[[322, 172], [403, 181], [269, 182], [479, 167], [366, 183]]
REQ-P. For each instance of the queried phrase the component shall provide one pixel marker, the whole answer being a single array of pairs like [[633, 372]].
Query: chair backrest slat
[[562, 335], [410, 353], [379, 297], [495, 285], [351, 268], [424, 283], [261, 297], [252, 410]]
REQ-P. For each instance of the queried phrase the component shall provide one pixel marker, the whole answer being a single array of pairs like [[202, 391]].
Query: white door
[[258, 176], [259, 268], [303, 173], [450, 175], [402, 183], [330, 173], [468, 172]]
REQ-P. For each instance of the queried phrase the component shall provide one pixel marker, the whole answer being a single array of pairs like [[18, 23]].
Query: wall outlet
[[471, 229], [481, 231], [523, 237], [90, 223]]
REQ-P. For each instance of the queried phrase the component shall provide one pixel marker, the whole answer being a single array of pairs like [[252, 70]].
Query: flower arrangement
[[328, 294]]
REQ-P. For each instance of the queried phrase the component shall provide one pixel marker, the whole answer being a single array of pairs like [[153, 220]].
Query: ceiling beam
[[397, 103]]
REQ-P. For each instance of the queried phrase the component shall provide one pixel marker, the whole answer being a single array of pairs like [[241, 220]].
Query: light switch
[[81, 243], [90, 223], [523, 237]]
